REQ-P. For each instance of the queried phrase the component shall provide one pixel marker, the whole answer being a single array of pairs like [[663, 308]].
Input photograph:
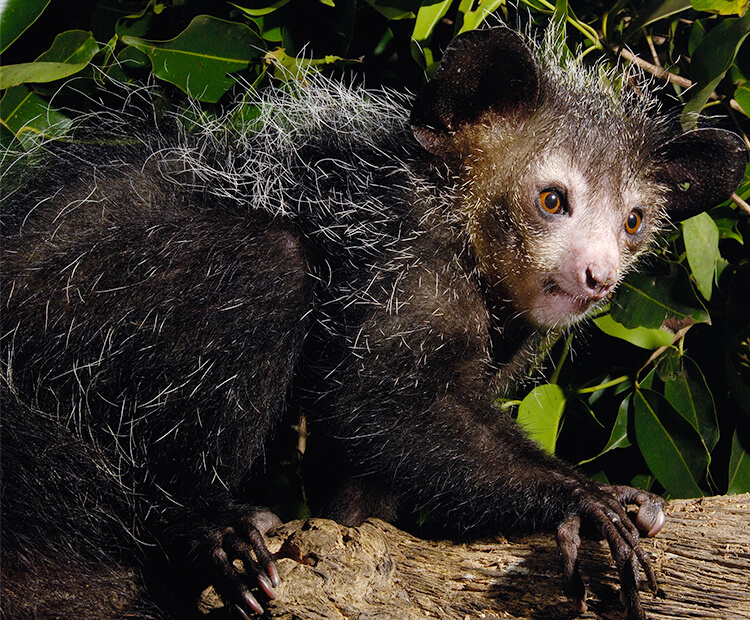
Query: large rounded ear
[[482, 71], [700, 169]]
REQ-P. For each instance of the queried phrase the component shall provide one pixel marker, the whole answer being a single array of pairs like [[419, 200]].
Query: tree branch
[[331, 572]]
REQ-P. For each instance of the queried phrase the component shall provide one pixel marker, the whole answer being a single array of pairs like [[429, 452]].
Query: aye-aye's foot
[[243, 540], [605, 509]]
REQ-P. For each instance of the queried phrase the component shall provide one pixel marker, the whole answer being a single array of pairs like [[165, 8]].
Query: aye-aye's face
[[555, 227]]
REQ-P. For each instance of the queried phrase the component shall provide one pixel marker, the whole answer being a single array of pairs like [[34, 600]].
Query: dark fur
[[163, 305]]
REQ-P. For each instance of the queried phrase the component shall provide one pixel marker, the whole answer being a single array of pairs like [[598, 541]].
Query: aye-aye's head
[[565, 178]]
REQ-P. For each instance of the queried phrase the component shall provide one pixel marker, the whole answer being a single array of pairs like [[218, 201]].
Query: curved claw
[[646, 517], [244, 541], [650, 517]]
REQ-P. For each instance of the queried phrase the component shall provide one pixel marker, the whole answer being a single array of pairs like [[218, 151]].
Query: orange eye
[[633, 223], [551, 201]]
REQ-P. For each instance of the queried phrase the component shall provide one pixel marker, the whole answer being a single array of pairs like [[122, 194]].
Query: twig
[[663, 74], [741, 203]]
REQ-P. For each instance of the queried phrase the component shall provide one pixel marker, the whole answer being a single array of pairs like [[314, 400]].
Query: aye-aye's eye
[[633, 223], [552, 201]]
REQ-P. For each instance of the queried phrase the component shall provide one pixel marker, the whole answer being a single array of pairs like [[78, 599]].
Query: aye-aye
[[168, 294]]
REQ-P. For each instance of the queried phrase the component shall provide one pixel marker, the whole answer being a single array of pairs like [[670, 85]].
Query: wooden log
[[377, 572]]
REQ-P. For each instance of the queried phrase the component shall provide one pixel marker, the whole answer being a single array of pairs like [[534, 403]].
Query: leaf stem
[[563, 356], [603, 386]]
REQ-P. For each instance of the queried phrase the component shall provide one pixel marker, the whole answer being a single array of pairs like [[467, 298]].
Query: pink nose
[[598, 280]]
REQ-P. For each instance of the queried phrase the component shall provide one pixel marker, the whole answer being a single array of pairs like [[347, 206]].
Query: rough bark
[[702, 559]]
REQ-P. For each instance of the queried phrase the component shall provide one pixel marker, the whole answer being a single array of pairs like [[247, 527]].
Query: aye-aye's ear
[[700, 168], [481, 71]]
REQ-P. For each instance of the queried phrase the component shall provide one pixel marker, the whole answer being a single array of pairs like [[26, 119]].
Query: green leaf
[[134, 26], [396, 9], [71, 46], [641, 481], [29, 118], [13, 75], [262, 10], [648, 381], [739, 467], [672, 449], [472, 14], [643, 337], [697, 32], [70, 53], [727, 223], [108, 49], [16, 16], [686, 389], [540, 413], [721, 7], [600, 477], [618, 438], [655, 10], [428, 17], [648, 299], [711, 61], [701, 236], [742, 96], [199, 59]]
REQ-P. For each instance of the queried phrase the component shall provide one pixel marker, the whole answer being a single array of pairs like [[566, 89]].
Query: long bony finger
[[569, 541]]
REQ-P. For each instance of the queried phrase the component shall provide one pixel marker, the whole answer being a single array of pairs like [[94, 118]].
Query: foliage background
[[655, 391]]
